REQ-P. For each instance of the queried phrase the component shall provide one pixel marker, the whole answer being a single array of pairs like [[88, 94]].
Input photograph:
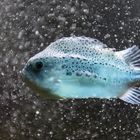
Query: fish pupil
[[39, 65]]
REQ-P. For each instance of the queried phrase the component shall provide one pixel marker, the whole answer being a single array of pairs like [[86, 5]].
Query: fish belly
[[76, 90]]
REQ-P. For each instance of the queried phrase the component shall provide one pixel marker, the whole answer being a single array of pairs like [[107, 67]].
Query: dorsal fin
[[74, 43], [91, 42], [68, 46]]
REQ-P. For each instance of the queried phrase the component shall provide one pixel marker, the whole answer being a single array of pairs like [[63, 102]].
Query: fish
[[84, 67]]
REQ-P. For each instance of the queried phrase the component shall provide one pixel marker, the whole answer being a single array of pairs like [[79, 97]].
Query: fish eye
[[38, 65]]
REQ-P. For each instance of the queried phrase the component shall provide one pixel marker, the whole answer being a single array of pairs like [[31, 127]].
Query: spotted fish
[[83, 67]]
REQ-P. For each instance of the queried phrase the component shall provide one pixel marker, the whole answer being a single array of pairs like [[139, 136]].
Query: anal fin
[[132, 96]]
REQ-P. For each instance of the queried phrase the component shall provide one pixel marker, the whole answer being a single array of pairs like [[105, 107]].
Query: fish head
[[41, 75]]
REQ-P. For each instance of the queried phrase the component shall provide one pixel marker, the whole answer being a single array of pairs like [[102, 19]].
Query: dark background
[[27, 27]]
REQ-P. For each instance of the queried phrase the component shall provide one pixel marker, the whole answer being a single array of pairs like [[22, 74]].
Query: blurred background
[[29, 26]]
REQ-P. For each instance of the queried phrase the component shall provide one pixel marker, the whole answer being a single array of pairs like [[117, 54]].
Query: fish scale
[[83, 67]]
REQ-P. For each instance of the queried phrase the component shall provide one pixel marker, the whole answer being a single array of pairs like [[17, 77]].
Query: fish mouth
[[47, 93]]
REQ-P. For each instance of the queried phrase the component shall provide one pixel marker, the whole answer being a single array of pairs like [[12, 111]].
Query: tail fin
[[132, 57]]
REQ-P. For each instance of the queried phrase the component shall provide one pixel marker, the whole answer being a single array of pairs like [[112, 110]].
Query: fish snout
[[25, 69], [23, 73]]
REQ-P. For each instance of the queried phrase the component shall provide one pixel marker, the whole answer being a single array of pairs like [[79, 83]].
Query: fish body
[[82, 67]]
